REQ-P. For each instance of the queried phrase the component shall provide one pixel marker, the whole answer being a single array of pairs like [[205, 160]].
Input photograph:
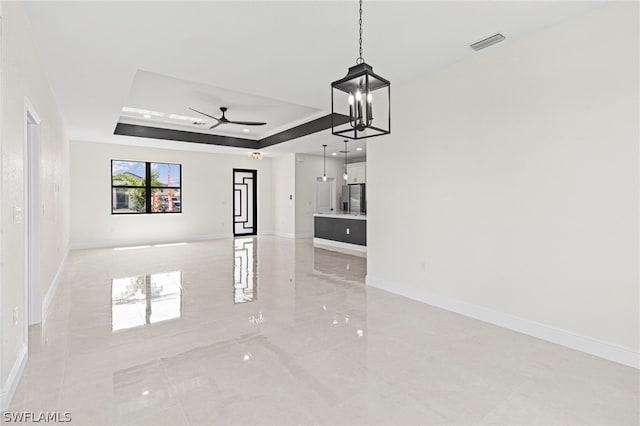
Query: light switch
[[17, 215], [347, 231]]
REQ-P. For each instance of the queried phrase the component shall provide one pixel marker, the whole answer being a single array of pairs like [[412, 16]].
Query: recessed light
[[358, 149], [245, 130], [147, 116], [333, 153]]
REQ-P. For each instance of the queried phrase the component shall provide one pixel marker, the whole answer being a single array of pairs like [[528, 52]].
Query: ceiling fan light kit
[[364, 97]]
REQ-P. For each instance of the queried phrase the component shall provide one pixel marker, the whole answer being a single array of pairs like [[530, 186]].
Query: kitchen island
[[345, 233]]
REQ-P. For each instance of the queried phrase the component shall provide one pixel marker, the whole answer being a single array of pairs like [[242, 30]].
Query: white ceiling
[[287, 51], [312, 144], [162, 101]]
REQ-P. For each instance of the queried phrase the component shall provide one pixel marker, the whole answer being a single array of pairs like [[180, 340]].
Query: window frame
[[147, 187]]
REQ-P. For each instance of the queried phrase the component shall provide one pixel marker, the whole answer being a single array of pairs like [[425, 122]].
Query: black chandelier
[[364, 97]]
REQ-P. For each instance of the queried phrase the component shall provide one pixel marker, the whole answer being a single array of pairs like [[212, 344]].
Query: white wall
[[207, 204], [23, 76], [283, 187], [520, 185], [308, 169]]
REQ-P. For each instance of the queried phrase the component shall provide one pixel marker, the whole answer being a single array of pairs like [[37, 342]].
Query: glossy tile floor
[[272, 331]]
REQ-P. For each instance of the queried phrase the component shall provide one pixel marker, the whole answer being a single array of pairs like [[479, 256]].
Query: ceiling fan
[[225, 120]]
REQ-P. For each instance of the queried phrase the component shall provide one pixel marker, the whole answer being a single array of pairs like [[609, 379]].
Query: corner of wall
[[555, 335], [53, 287], [9, 387]]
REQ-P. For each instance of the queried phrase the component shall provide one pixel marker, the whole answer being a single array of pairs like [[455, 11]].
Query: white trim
[[53, 287], [559, 336], [9, 389], [349, 216], [28, 111], [98, 245], [28, 107], [2, 358], [346, 248], [284, 235]]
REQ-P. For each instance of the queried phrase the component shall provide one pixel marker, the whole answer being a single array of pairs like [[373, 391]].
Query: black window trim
[[147, 187]]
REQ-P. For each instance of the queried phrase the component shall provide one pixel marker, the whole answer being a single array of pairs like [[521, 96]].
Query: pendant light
[[364, 98], [346, 175], [324, 165]]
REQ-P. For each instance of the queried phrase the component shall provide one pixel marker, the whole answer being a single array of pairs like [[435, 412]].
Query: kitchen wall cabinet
[[357, 172]]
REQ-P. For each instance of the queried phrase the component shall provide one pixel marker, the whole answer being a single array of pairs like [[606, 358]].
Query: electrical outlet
[[423, 267], [15, 316]]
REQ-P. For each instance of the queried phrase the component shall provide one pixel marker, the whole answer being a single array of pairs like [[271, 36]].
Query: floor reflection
[[245, 268], [318, 347], [339, 266], [145, 299]]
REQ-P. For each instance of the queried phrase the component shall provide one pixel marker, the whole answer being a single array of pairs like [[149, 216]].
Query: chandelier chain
[[360, 58]]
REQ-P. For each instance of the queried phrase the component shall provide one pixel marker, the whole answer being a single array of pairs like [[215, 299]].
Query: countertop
[[342, 216]]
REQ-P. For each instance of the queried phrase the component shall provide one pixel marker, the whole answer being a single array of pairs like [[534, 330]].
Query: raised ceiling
[[161, 101], [284, 51]]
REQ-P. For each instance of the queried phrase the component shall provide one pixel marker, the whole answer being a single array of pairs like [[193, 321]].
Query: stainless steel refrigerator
[[354, 198]]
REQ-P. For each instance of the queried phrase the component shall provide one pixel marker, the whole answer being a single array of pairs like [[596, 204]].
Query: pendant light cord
[[360, 59], [345, 157], [324, 161]]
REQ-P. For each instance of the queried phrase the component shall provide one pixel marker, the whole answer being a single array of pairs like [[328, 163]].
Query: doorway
[[245, 202], [32, 197], [325, 195]]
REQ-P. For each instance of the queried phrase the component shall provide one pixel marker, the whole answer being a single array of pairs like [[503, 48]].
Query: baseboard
[[8, 390], [340, 247], [53, 287], [541, 331], [99, 245], [284, 235]]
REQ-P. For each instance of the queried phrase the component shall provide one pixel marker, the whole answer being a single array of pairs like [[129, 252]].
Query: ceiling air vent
[[489, 41]]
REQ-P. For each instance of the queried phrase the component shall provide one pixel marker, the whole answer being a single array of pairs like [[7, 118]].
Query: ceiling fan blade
[[205, 114], [248, 123], [215, 125]]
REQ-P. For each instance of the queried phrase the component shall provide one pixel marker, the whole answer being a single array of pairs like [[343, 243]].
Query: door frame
[[32, 217], [332, 195], [254, 172]]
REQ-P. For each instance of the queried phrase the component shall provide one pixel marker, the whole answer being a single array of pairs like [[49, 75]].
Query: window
[[144, 187]]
